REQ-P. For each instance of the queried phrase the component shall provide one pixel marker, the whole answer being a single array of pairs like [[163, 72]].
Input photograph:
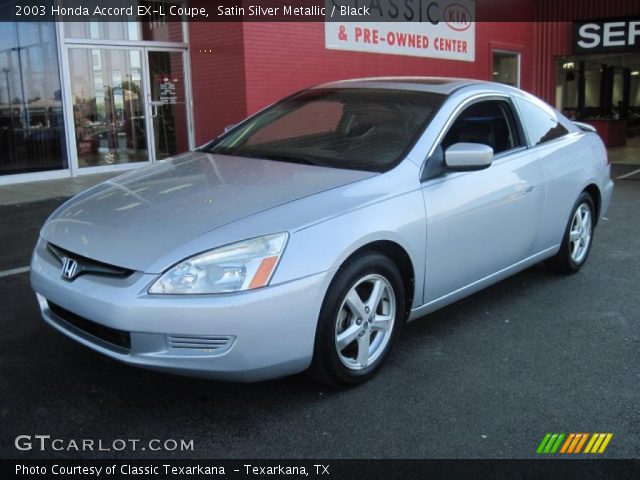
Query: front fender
[[326, 246]]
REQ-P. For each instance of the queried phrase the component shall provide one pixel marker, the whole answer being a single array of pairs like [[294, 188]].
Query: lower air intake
[[209, 343]]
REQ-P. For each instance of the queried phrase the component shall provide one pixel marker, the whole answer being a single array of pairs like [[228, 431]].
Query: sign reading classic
[[442, 29], [611, 35]]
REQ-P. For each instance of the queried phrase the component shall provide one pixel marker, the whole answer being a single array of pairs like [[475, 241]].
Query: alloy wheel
[[580, 233], [365, 322]]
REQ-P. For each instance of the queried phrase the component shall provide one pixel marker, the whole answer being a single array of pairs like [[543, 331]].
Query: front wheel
[[360, 320], [578, 236]]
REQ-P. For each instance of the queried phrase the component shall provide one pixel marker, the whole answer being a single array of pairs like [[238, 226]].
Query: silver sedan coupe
[[304, 237]]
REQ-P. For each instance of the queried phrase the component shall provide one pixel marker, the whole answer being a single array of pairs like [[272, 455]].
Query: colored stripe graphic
[[598, 443], [594, 437], [556, 445], [567, 443], [604, 445], [551, 443], [543, 443], [581, 442]]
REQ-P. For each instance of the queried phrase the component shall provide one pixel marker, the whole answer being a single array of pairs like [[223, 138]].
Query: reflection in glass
[[168, 103], [31, 120], [108, 106], [111, 30], [505, 68], [153, 26]]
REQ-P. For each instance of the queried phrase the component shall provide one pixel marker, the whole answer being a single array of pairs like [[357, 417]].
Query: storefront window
[[108, 106], [31, 120], [600, 87], [155, 27], [111, 30], [506, 68]]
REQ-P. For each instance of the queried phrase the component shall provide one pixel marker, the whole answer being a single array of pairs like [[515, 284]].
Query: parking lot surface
[[484, 378]]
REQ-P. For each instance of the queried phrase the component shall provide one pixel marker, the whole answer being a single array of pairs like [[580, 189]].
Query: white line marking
[[630, 174], [14, 271]]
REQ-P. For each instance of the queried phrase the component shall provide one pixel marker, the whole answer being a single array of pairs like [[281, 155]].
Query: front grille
[[217, 342], [87, 265], [115, 338]]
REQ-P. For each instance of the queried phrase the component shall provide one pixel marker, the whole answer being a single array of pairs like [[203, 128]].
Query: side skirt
[[482, 283]]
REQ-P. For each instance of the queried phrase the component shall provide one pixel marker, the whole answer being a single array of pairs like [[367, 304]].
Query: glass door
[[129, 104], [167, 103], [107, 98]]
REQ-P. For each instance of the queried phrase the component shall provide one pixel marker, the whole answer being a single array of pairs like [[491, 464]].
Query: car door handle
[[528, 189]]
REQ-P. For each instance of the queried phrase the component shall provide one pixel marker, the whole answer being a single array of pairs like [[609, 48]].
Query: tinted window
[[363, 129], [314, 118], [541, 123], [490, 122], [32, 134]]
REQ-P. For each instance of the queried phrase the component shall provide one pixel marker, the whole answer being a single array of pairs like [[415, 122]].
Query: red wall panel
[[253, 64], [217, 77]]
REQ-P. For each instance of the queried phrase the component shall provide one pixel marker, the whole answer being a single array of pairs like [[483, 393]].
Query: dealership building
[[90, 97]]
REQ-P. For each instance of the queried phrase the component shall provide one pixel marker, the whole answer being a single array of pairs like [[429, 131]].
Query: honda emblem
[[69, 269]]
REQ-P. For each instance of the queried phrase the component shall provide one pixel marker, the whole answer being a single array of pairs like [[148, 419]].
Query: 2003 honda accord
[[305, 236]]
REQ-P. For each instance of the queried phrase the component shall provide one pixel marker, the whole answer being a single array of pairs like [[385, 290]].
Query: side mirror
[[468, 156]]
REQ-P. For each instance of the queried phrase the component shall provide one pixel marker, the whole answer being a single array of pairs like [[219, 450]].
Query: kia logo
[[69, 269], [458, 17]]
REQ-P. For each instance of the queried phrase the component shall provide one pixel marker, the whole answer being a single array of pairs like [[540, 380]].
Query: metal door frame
[[187, 95], [64, 45]]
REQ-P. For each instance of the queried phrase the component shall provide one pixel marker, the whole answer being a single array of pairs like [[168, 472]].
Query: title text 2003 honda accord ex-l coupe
[[305, 236]]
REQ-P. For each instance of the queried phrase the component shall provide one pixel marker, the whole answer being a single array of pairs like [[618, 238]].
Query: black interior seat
[[477, 132]]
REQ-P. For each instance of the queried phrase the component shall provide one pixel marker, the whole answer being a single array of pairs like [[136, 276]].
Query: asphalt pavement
[[484, 378]]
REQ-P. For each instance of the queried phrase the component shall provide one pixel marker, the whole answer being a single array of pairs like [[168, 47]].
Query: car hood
[[135, 218]]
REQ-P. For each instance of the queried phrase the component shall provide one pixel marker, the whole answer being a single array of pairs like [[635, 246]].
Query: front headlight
[[240, 266]]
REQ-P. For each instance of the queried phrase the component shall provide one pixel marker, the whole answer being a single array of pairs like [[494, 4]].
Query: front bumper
[[248, 336]]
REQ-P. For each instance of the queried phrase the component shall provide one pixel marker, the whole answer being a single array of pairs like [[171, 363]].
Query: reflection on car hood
[[133, 219]]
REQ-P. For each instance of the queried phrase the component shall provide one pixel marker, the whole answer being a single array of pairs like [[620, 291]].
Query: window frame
[[513, 123], [506, 49], [426, 171]]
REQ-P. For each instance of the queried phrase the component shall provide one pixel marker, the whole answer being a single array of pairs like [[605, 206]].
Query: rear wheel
[[360, 320], [578, 236]]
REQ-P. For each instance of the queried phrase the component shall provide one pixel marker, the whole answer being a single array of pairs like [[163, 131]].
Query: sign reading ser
[[600, 36]]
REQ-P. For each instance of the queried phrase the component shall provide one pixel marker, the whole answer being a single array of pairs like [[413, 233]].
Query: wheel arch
[[594, 192], [398, 255]]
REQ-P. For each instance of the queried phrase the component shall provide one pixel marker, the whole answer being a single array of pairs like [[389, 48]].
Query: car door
[[562, 160], [481, 222]]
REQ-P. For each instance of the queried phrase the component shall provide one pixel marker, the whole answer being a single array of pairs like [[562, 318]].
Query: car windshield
[[358, 129]]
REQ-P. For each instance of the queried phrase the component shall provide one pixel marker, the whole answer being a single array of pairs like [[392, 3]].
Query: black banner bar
[[323, 469], [287, 11]]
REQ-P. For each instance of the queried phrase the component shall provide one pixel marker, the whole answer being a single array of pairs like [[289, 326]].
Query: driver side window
[[489, 122]]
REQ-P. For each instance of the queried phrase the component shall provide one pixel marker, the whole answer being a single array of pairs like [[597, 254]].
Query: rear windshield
[[358, 129]]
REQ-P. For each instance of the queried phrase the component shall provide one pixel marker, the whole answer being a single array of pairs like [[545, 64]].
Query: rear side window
[[541, 123]]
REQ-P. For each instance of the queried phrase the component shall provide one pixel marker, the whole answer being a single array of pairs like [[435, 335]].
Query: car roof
[[442, 85]]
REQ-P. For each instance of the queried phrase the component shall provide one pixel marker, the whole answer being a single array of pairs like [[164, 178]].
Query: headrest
[[476, 132]]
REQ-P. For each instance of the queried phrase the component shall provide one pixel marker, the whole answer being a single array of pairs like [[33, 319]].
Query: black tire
[[563, 262], [328, 365]]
